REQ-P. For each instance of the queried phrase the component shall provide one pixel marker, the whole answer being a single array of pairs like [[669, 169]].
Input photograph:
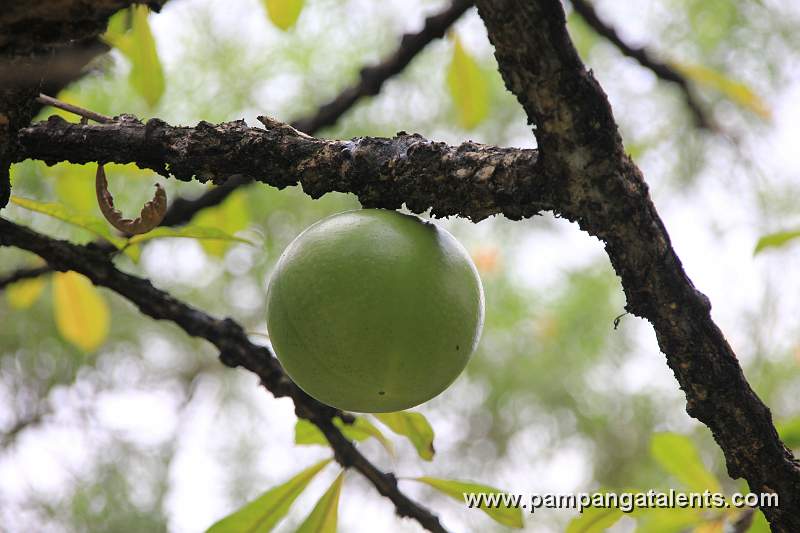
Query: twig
[[85, 113], [646, 59], [230, 339], [372, 78], [23, 273]]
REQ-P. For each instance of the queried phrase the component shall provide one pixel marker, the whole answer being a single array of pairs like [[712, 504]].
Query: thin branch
[[227, 336], [372, 78], [23, 273], [81, 112], [646, 59]]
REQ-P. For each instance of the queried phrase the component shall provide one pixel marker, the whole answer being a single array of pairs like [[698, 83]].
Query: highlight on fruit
[[374, 311]]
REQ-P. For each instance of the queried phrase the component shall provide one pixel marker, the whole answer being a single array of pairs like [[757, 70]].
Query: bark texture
[[605, 193], [470, 180]]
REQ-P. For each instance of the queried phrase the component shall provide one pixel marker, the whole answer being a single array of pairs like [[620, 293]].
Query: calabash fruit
[[374, 311]]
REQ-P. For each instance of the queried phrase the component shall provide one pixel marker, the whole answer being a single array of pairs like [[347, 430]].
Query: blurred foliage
[[556, 395]]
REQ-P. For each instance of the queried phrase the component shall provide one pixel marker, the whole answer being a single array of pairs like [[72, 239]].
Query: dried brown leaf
[[150, 217]]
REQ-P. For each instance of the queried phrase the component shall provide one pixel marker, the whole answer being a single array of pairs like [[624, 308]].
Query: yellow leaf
[[734, 90], [468, 87], [284, 13], [82, 317], [23, 294]]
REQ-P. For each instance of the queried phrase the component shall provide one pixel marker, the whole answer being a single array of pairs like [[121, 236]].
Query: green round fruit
[[374, 311]]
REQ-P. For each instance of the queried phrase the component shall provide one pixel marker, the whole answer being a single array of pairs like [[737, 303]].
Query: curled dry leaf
[[151, 215]]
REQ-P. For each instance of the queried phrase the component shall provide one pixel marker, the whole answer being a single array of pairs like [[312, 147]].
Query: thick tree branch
[[470, 180], [227, 336], [606, 194], [647, 60]]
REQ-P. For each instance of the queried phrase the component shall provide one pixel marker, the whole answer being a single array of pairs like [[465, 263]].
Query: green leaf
[[118, 25], [468, 87], [138, 45], [678, 455], [82, 316], [735, 91], [760, 524], [415, 427], [65, 214], [323, 517], [665, 520], [284, 13], [261, 514], [506, 515], [187, 232], [775, 240], [230, 216], [594, 520], [74, 186], [360, 430], [789, 430]]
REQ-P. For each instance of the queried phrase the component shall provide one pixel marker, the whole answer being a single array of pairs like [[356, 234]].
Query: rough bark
[[470, 180], [605, 193]]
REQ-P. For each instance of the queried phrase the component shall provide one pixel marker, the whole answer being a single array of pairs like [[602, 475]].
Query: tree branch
[[471, 180], [23, 273], [645, 59], [227, 336], [372, 78], [606, 194]]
